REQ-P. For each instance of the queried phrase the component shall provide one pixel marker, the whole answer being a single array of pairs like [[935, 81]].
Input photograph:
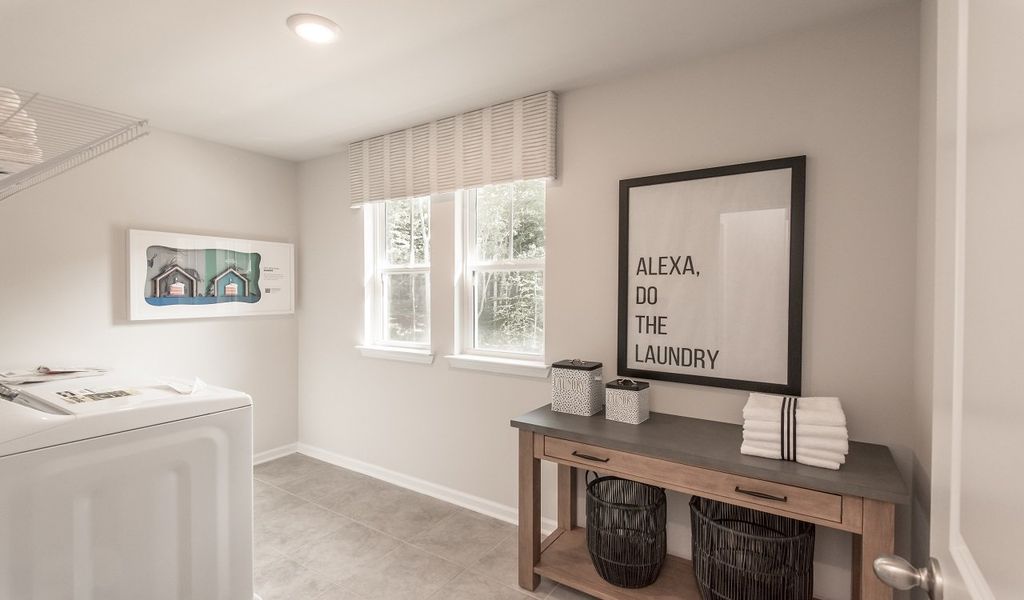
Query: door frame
[[961, 573]]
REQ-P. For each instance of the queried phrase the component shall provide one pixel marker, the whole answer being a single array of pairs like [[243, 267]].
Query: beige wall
[[847, 96], [62, 269]]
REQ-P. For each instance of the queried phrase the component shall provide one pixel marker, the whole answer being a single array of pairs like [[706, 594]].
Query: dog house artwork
[[175, 282], [201, 276], [231, 283], [185, 276]]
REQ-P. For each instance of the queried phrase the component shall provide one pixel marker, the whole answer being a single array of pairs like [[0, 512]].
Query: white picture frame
[[185, 276]]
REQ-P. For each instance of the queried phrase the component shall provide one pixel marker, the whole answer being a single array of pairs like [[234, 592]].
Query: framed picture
[[182, 276], [711, 276]]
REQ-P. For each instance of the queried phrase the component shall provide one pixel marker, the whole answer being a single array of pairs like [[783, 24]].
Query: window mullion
[[416, 269], [380, 257], [467, 310]]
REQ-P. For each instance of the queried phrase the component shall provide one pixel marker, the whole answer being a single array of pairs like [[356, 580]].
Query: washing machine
[[121, 488]]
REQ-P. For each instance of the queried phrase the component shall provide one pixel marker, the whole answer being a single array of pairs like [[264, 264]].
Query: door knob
[[897, 573]]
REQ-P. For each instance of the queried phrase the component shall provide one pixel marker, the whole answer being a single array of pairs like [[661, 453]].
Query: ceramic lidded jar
[[577, 387], [627, 401]]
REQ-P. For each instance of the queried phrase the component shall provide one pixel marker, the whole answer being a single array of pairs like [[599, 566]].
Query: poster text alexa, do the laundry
[[710, 276], [648, 270]]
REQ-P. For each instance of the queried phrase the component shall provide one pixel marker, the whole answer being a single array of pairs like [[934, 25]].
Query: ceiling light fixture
[[314, 28]]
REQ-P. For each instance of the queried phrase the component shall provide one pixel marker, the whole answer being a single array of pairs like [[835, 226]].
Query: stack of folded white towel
[[19, 148], [810, 431]]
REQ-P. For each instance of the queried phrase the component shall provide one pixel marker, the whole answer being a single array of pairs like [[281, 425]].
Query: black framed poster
[[711, 276]]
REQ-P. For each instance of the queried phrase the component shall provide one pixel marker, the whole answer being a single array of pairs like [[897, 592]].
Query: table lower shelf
[[565, 559]]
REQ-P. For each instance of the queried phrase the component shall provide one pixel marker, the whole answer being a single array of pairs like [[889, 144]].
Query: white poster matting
[[708, 279]]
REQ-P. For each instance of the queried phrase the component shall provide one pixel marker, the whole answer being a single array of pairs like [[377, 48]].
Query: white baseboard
[[269, 455], [502, 512]]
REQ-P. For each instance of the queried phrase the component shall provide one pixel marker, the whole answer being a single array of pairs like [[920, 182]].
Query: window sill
[[413, 355], [505, 366]]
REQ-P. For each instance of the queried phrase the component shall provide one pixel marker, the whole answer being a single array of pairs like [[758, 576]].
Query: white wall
[[63, 275], [846, 95]]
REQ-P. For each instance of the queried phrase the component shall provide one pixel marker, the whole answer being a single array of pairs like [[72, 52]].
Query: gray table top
[[870, 470]]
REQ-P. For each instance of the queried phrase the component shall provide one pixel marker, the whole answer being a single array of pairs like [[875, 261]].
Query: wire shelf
[[41, 137]]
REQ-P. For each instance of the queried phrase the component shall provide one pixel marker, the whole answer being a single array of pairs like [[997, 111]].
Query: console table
[[702, 458]]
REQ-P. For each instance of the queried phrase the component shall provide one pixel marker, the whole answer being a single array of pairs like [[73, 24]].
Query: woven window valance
[[501, 143]]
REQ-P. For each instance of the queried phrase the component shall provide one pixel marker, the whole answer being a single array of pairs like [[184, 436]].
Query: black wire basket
[[626, 530], [745, 554]]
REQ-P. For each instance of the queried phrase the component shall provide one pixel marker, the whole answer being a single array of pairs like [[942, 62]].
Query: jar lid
[[575, 363], [627, 384]]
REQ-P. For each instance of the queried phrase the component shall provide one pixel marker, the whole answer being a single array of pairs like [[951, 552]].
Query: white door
[[977, 516]]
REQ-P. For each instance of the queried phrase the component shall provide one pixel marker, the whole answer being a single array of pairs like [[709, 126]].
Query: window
[[501, 311], [398, 273]]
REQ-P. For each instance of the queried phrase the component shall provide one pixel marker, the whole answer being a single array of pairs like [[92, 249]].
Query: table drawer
[[699, 481]]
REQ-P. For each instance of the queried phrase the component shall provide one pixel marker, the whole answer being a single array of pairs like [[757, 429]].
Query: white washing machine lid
[[69, 410]]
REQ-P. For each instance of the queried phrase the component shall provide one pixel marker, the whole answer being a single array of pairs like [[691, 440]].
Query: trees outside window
[[398, 296], [501, 267], [503, 279]]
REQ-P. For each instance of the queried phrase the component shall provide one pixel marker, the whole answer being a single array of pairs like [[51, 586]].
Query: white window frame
[[467, 355], [375, 343]]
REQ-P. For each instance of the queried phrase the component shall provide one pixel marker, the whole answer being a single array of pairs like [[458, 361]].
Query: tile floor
[[325, 533]]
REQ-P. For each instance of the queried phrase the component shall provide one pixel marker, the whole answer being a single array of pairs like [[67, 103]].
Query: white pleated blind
[[501, 143]]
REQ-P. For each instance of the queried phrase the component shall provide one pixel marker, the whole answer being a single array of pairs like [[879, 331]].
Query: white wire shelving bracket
[[41, 137]]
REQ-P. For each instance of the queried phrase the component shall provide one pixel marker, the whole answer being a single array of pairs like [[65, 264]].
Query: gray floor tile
[[268, 498], [325, 481], [342, 501], [469, 586], [289, 468], [337, 593], [346, 551], [563, 593], [288, 529], [338, 541], [405, 574], [463, 537], [263, 555], [391, 509], [502, 565], [284, 579]]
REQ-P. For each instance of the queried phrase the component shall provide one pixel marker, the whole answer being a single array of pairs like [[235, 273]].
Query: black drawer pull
[[757, 494], [589, 457]]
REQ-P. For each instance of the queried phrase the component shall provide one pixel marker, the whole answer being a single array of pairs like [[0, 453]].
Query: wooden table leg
[[878, 538], [566, 497], [529, 512]]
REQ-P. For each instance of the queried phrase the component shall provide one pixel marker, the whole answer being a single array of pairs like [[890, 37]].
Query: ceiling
[[231, 72]]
